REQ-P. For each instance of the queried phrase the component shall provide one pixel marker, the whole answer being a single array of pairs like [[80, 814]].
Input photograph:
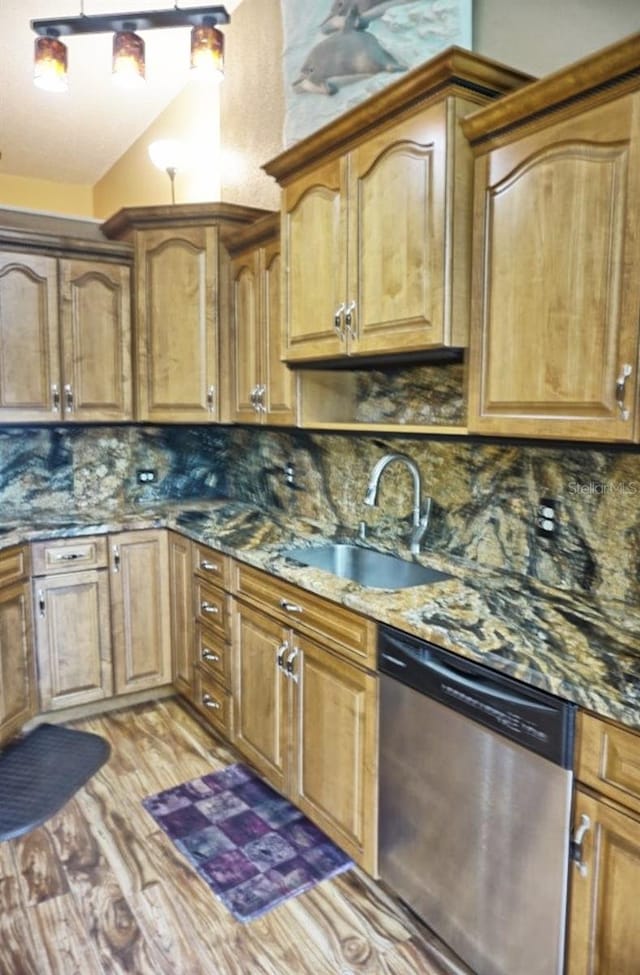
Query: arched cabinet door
[[30, 379], [554, 343], [96, 340]]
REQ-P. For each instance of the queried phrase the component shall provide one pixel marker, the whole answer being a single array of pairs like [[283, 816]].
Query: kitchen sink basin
[[376, 570]]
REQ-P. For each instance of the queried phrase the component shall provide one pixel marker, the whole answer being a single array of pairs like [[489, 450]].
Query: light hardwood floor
[[100, 890]]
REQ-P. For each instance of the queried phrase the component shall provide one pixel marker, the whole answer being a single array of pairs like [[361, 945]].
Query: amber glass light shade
[[50, 64], [128, 59], [207, 52]]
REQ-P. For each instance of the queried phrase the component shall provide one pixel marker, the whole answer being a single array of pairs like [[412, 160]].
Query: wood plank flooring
[[100, 890]]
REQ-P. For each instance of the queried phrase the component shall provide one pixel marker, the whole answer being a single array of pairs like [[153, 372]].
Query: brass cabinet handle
[[576, 845], [289, 665], [290, 607], [210, 702], [338, 323], [621, 386], [68, 398], [209, 608], [55, 398], [349, 315], [207, 654], [209, 566]]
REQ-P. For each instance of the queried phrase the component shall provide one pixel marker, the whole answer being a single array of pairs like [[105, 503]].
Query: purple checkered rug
[[252, 847]]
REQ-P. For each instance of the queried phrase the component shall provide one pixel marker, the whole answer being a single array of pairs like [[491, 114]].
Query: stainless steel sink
[[377, 570]]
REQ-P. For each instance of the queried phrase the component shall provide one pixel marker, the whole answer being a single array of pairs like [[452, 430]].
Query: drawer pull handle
[[68, 396], [211, 392], [210, 703], [289, 665], [68, 556], [338, 324], [41, 603], [282, 649], [55, 398], [209, 566], [576, 845], [209, 608], [116, 558], [289, 607], [207, 654], [621, 386]]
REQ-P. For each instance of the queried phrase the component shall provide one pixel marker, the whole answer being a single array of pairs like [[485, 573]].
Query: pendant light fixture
[[207, 52], [50, 63], [128, 66], [207, 42]]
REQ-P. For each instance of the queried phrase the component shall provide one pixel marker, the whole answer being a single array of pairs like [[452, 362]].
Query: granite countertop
[[560, 641]]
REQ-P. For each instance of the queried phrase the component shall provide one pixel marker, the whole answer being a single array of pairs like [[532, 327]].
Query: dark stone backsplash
[[485, 493]]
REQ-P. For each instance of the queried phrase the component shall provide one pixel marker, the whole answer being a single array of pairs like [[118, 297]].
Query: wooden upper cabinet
[[376, 217], [95, 323], [262, 388], [182, 307], [30, 380], [554, 343]]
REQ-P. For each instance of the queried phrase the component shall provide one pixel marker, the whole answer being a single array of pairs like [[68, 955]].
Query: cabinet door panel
[[29, 353], [140, 616], [246, 337], [17, 678], [73, 643], [314, 242], [96, 340], [336, 740], [604, 934], [557, 321], [277, 377], [177, 325], [260, 694], [396, 237]]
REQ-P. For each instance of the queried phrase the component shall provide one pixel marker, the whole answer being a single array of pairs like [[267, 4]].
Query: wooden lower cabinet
[[307, 720], [181, 613], [604, 929], [17, 672], [140, 616], [73, 638]]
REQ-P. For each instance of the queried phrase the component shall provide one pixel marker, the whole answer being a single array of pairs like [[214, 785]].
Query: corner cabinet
[[182, 307], [376, 217], [604, 934], [17, 671], [65, 339], [262, 386], [556, 306]]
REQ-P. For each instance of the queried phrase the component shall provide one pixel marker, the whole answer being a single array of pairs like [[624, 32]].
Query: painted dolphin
[[358, 12], [341, 58]]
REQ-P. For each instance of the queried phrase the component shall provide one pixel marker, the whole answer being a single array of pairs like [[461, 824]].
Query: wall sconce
[[170, 156], [207, 42]]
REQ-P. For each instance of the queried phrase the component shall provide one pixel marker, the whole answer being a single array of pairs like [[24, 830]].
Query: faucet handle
[[420, 530]]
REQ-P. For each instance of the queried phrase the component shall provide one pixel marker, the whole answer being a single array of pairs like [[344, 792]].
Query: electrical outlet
[[547, 518], [147, 476]]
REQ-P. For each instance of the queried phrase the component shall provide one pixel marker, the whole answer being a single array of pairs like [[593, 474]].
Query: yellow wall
[[42, 194], [193, 118]]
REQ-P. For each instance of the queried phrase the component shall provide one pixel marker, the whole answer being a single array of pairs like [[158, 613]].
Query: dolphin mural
[[359, 12]]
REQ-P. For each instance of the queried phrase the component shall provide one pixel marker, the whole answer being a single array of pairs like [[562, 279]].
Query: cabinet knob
[[289, 607]]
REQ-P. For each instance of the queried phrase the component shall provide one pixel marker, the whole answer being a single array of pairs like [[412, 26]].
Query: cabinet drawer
[[331, 624], [211, 607], [214, 702], [609, 760], [212, 565], [67, 554], [13, 565], [213, 654]]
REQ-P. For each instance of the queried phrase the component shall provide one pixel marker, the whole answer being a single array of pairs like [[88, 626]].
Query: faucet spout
[[420, 521]]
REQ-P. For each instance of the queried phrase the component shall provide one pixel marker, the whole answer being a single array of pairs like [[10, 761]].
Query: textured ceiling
[[76, 136]]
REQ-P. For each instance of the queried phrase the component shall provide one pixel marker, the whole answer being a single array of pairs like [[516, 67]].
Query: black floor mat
[[40, 772]]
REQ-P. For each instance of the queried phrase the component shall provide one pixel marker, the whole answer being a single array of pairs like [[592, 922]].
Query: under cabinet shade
[[128, 59], [207, 52], [50, 64]]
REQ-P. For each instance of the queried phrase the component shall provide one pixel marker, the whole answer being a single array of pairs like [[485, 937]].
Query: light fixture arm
[[144, 20], [171, 172]]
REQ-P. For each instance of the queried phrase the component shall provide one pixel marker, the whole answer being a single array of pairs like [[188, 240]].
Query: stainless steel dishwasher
[[475, 802]]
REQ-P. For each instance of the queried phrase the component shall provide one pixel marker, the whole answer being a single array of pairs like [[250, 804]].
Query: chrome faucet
[[420, 518]]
